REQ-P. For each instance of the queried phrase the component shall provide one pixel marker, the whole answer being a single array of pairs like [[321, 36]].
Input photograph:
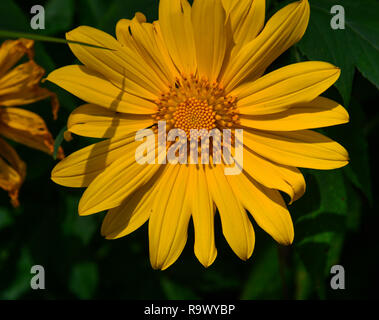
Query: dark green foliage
[[335, 222]]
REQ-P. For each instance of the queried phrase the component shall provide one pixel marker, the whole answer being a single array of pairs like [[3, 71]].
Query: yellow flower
[[20, 86], [199, 66]]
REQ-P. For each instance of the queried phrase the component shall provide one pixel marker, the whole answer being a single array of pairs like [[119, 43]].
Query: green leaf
[[303, 282], [318, 233], [21, 283], [326, 194], [333, 191], [6, 218], [75, 225], [356, 45], [362, 24], [58, 141], [218, 280], [95, 8], [264, 279], [59, 16], [11, 17], [358, 171], [121, 9], [334, 252], [84, 279], [176, 291], [353, 221]]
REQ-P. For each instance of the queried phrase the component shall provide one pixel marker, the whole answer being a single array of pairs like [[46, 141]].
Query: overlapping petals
[[27, 128], [20, 85], [97, 122], [226, 43], [12, 171], [85, 83], [285, 28]]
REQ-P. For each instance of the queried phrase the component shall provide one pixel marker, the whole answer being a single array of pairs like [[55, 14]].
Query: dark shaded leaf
[[84, 279], [74, 225], [59, 16], [356, 45], [176, 291], [58, 141], [264, 280], [317, 232], [358, 171]]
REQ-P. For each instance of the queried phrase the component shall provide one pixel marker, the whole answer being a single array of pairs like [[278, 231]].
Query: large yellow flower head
[[198, 67], [20, 85]]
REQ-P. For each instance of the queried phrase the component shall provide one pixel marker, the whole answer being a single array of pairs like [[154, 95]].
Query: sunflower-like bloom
[[20, 86], [199, 66]]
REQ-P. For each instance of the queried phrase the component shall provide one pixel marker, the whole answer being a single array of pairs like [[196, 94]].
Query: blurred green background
[[335, 222]]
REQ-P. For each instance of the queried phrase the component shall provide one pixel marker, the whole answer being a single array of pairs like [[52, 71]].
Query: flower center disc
[[196, 104], [194, 114]]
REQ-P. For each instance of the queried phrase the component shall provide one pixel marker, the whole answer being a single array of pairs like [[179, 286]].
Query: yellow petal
[[148, 41], [123, 32], [285, 28], [121, 65], [10, 181], [236, 226], [23, 77], [94, 121], [26, 127], [229, 5], [208, 19], [144, 39], [281, 89], [169, 218], [176, 27], [30, 96], [21, 86], [321, 112], [162, 48], [247, 19], [11, 51], [133, 212], [304, 148], [80, 168], [203, 211], [67, 136], [110, 188], [12, 171], [8, 153], [266, 206], [273, 175], [85, 84]]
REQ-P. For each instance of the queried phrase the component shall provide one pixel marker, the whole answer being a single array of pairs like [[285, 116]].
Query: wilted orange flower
[[20, 86], [199, 66]]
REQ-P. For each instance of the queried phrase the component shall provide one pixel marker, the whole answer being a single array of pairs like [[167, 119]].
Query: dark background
[[336, 222]]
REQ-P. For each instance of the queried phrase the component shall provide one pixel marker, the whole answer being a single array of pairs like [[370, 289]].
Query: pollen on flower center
[[196, 104], [194, 114]]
